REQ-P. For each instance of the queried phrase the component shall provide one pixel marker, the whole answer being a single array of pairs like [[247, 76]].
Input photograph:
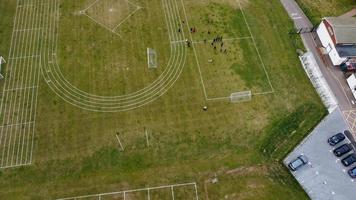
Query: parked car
[[348, 160], [335, 139], [352, 172], [341, 150], [298, 162]]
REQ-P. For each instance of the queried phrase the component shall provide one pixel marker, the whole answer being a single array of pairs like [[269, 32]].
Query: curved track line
[[63, 88]]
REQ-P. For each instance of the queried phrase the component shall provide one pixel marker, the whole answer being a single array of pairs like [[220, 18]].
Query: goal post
[[240, 96], [2, 61], [151, 58]]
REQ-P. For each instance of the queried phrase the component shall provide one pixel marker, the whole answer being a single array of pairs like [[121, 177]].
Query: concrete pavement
[[324, 177]]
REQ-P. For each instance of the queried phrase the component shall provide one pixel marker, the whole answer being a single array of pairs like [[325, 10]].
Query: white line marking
[[196, 191], [118, 139], [28, 29], [147, 141], [172, 191], [17, 82], [130, 191], [254, 42], [21, 88], [126, 18], [92, 4], [102, 25], [24, 57], [195, 53], [61, 88]]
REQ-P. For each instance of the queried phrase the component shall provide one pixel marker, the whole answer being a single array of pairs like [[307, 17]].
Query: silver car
[[298, 162]]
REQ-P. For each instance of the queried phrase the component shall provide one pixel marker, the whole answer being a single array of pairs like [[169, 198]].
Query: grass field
[[317, 9], [99, 120]]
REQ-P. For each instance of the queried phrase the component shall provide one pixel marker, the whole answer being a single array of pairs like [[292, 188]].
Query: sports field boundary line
[[27, 29], [254, 42], [25, 70], [12, 106], [12, 166], [172, 191], [17, 124], [111, 104], [217, 98], [177, 41], [2, 107], [126, 18], [133, 4], [264, 93], [31, 39], [90, 5], [247, 37], [118, 139], [28, 44], [24, 57], [31, 5], [98, 96], [101, 24], [31, 93], [253, 94], [20, 88], [195, 53], [134, 190]]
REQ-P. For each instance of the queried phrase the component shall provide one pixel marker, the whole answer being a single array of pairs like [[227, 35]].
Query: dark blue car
[[335, 139]]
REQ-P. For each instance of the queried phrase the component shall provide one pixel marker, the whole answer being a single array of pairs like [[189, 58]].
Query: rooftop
[[344, 29], [346, 50]]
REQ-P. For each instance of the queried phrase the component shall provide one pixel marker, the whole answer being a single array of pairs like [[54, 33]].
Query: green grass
[[316, 10], [76, 152], [6, 22], [285, 132]]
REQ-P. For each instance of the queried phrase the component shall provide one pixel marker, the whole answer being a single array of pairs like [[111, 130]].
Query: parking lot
[[324, 177]]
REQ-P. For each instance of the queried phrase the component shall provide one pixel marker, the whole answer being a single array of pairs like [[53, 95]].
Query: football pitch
[[158, 99]]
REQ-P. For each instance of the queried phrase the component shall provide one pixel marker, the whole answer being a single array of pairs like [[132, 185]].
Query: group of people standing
[[216, 42]]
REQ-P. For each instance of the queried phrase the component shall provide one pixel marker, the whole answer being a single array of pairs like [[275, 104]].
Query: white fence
[[316, 77]]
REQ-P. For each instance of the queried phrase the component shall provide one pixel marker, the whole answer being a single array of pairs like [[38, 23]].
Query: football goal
[[2, 61], [240, 96], [151, 58]]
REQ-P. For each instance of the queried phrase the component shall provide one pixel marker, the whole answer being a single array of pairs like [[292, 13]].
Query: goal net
[[151, 58], [240, 96], [2, 61]]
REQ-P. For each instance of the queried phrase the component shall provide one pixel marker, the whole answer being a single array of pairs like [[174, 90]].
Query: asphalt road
[[334, 77]]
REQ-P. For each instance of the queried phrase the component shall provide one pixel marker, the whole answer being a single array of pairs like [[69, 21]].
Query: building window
[[331, 32], [328, 48]]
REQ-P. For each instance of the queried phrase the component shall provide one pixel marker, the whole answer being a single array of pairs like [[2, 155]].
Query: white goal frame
[[241, 96], [2, 61], [151, 58]]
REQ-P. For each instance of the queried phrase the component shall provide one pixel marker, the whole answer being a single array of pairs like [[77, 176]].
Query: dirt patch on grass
[[246, 170]]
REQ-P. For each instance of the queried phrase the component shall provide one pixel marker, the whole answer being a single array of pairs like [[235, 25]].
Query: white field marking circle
[[57, 82]]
